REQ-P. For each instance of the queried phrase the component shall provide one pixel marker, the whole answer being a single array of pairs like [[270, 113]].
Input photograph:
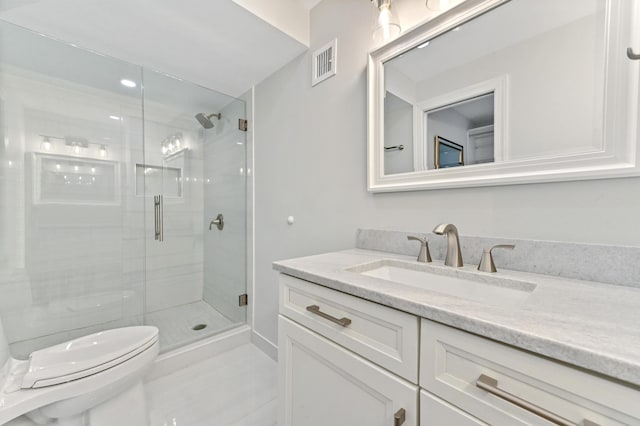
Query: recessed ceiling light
[[423, 45], [128, 83], [114, 117]]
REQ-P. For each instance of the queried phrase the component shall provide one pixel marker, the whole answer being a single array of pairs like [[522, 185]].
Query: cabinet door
[[324, 384]]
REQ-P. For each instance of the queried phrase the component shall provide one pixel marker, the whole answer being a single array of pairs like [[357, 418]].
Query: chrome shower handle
[[156, 226], [161, 218], [218, 222], [158, 218]]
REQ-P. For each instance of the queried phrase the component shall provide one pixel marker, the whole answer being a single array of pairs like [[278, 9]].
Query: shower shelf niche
[[158, 180]]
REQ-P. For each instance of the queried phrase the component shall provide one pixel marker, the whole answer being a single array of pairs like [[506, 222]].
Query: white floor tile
[[236, 388]]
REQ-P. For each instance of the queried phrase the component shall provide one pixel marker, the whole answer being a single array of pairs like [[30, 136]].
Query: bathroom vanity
[[363, 343]]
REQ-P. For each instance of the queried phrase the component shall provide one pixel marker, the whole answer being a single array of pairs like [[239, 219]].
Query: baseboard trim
[[264, 344]]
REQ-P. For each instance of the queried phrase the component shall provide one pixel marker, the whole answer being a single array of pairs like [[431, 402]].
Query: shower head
[[205, 120]]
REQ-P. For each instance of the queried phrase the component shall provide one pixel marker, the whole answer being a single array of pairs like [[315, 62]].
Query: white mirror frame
[[620, 156]]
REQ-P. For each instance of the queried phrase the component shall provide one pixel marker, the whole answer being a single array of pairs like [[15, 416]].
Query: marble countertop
[[590, 325]]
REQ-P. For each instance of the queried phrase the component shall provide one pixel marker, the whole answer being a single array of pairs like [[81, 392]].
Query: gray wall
[[398, 130], [310, 162]]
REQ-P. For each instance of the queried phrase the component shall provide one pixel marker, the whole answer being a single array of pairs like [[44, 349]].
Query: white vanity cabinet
[[345, 361], [325, 383], [468, 380]]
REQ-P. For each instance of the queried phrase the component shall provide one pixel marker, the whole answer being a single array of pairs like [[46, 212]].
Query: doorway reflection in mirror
[[469, 123]]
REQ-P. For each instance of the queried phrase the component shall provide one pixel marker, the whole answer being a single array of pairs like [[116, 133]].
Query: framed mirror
[[517, 91]]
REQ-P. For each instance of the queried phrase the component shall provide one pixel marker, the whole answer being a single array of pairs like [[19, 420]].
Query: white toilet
[[95, 380]]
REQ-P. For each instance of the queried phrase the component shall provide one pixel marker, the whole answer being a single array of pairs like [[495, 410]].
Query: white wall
[[310, 162]]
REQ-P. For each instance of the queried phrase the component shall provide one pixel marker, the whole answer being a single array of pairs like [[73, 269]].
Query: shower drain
[[198, 327]]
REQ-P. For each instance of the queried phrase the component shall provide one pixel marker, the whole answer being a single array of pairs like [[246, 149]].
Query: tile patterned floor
[[235, 388], [176, 324]]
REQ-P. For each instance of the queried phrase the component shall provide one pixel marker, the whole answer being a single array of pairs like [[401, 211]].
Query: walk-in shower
[[90, 168]]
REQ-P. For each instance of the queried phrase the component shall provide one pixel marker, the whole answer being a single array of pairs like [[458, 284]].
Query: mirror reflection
[[522, 81], [467, 124]]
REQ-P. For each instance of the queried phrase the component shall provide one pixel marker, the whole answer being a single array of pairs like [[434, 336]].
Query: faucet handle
[[424, 256], [486, 262]]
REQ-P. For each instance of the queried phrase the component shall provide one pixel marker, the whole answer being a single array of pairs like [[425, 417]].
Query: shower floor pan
[[178, 325]]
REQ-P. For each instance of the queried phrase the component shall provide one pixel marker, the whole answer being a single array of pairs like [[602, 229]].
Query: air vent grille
[[324, 63]]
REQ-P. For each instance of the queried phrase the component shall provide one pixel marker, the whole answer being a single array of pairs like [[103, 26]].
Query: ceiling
[[216, 44]]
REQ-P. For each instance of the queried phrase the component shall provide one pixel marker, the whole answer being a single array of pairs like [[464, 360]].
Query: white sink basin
[[464, 284]]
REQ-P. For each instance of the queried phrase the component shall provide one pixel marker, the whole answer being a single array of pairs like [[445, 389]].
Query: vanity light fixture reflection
[[437, 4], [387, 24], [172, 144], [46, 144]]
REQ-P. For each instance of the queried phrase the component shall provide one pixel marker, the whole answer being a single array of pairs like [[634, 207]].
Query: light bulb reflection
[[387, 26]]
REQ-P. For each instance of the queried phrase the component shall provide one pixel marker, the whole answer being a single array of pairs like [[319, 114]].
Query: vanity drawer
[[453, 361], [381, 334]]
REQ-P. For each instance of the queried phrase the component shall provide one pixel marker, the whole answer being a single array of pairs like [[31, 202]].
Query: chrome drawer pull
[[315, 309], [399, 417], [490, 385]]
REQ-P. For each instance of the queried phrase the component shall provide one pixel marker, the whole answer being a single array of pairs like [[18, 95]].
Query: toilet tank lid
[[88, 353]]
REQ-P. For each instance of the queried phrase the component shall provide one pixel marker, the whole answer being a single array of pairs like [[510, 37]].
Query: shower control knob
[[218, 222]]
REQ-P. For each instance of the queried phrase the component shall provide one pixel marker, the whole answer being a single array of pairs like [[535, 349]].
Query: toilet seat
[[81, 386], [89, 354]]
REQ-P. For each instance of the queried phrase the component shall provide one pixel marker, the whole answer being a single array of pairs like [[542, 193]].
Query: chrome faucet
[[454, 256]]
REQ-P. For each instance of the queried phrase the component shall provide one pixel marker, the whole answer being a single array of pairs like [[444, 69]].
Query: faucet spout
[[454, 255]]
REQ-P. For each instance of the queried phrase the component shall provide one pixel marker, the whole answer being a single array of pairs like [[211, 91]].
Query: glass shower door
[[71, 230], [193, 171]]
